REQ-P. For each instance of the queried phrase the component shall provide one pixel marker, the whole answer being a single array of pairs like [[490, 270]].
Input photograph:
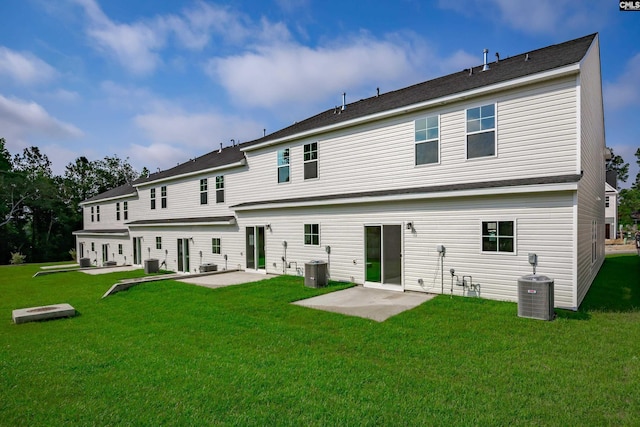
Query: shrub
[[73, 254], [17, 258]]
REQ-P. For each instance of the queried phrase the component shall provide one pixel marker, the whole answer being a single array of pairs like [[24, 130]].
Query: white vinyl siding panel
[[543, 227], [183, 200], [536, 134], [591, 189], [231, 243]]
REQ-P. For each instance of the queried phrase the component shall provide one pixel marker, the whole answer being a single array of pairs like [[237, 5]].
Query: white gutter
[[198, 172], [108, 199], [519, 189], [98, 233], [558, 72], [183, 224]]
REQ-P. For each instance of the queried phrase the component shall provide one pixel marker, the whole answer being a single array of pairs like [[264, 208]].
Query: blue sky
[[160, 82]]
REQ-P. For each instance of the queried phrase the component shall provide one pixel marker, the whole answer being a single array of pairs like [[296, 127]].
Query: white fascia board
[[542, 188], [108, 199], [91, 233], [182, 224], [461, 96], [198, 172]]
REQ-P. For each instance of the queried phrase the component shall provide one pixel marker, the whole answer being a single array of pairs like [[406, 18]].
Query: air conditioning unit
[[535, 297], [315, 274]]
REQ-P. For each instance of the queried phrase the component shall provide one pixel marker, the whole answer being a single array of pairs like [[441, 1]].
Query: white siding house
[[471, 171]]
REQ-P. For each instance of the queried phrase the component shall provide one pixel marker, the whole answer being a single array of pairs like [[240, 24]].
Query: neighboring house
[[489, 165]]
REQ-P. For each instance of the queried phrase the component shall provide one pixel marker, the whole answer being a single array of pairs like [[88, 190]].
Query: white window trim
[[304, 235], [415, 143], [317, 160], [223, 189], [278, 166], [205, 191], [515, 234], [495, 132], [219, 246]]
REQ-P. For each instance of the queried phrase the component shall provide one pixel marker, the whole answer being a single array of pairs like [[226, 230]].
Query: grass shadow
[[616, 288]]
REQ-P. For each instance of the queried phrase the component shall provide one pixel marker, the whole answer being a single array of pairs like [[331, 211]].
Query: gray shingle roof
[[122, 191]]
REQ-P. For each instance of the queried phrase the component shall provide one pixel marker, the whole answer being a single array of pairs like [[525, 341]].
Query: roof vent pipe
[[377, 91], [220, 150], [526, 58], [264, 132], [486, 66], [344, 101]]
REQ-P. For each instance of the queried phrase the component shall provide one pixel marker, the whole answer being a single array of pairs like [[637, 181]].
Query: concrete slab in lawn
[[375, 304], [226, 279], [45, 312], [107, 270]]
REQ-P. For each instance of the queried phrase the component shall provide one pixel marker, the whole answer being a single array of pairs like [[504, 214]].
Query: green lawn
[[168, 353]]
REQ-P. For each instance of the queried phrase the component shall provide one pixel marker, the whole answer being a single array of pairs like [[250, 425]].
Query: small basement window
[[312, 234]]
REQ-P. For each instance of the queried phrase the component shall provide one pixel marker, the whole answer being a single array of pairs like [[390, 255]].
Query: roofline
[[188, 174], [120, 233], [530, 79], [563, 183], [204, 221], [108, 199]]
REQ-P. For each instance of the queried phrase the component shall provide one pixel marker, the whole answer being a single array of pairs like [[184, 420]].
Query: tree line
[[629, 200], [40, 210]]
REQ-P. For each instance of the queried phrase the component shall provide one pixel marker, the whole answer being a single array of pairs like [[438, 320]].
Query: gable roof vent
[[486, 65]]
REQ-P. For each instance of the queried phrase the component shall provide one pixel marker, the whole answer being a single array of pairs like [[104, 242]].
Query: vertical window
[[481, 131], [426, 138], [118, 211], [163, 196], [606, 201], [158, 242], [312, 234], [125, 210], [92, 217], [119, 248], [97, 213], [204, 194], [220, 189], [283, 165], [152, 195], [498, 236], [93, 247], [311, 160], [215, 245]]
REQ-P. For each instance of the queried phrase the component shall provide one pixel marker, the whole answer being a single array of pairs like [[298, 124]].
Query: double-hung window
[[498, 236], [220, 189], [283, 165], [125, 210], [152, 196], [119, 248], [215, 245], [311, 160], [163, 196], [426, 138], [481, 131], [118, 211], [204, 193], [158, 242], [97, 213], [312, 234], [92, 217]]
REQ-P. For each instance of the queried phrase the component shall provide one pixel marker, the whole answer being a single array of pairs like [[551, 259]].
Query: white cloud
[[204, 131], [154, 156], [288, 74], [134, 46], [25, 68], [20, 120], [534, 17], [625, 91]]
